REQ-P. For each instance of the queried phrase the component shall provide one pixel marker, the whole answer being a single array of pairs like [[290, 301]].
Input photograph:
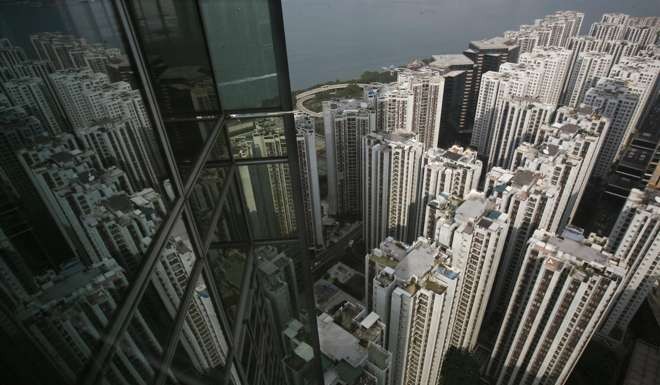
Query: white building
[[309, 178], [530, 201], [475, 233], [345, 123], [554, 64], [416, 296], [391, 165], [497, 89], [32, 93], [589, 68], [635, 242], [614, 99], [565, 286], [117, 142], [77, 304], [455, 171], [427, 86]]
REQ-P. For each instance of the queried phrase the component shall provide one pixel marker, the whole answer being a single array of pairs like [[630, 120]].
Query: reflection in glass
[[203, 348], [174, 49], [228, 268], [205, 195], [241, 46], [268, 196], [257, 138]]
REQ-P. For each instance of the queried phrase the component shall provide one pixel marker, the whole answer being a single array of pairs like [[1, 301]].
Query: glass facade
[[149, 205]]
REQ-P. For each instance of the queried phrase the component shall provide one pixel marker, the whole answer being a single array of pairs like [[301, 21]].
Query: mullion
[[123, 316], [240, 313], [186, 300], [281, 61]]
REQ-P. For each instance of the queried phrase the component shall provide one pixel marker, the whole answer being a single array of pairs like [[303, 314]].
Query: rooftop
[[417, 263], [338, 344], [450, 60], [495, 43]]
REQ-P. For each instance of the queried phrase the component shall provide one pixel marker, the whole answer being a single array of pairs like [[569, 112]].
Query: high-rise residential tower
[[614, 99], [588, 69], [455, 171], [390, 174], [345, 123], [635, 242], [487, 55], [565, 286], [306, 139], [416, 296]]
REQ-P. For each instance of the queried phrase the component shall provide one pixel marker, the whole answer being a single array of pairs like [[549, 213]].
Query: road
[[302, 97]]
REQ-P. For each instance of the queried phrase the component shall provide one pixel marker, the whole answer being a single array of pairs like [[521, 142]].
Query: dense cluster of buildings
[[467, 173]]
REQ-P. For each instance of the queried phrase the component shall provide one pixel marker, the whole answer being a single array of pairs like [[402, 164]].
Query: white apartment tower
[[477, 244], [394, 108], [529, 200], [644, 76], [635, 242], [455, 171], [427, 88], [391, 165], [614, 99], [517, 120], [565, 286], [554, 63], [32, 93], [589, 68], [306, 147], [498, 89], [417, 295], [345, 123], [117, 142]]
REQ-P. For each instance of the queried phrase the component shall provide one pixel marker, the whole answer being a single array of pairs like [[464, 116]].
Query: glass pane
[[257, 138], [174, 47], [231, 224], [187, 140], [203, 348], [228, 269], [205, 195], [268, 196], [242, 52], [84, 188], [276, 328]]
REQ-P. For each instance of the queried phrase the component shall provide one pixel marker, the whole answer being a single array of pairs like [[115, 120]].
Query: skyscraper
[[416, 295], [530, 201], [32, 93], [589, 68], [635, 242], [508, 92], [554, 65], [565, 286], [614, 99], [427, 87], [309, 173], [477, 244], [455, 171], [345, 124], [458, 72], [487, 55], [390, 173]]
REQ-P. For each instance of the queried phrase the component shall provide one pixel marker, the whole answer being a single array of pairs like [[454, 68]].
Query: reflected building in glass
[[151, 196]]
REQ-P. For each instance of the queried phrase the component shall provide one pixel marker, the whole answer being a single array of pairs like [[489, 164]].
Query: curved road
[[307, 95]]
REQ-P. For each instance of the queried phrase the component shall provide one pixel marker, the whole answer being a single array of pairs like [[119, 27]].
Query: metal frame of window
[[181, 210]]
